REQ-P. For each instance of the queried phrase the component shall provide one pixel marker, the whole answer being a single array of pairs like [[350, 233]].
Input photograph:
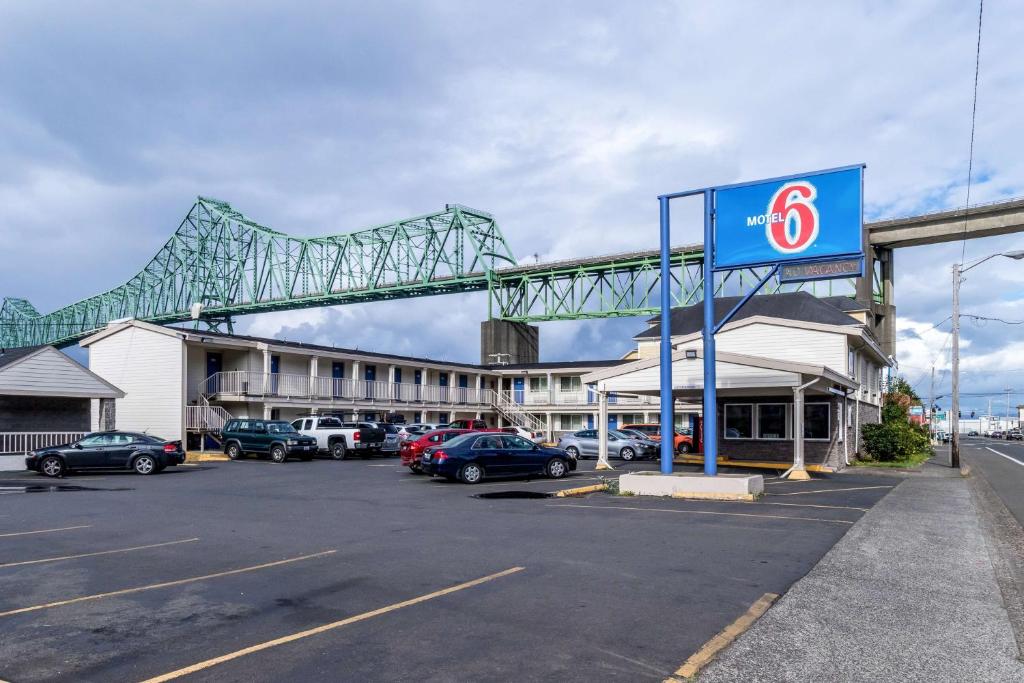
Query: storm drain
[[500, 495]]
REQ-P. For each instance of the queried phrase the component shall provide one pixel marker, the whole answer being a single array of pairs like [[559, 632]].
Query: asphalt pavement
[[360, 571], [1001, 463]]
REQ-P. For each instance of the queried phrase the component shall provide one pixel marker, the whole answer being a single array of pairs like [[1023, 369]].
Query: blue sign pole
[[710, 384], [667, 400]]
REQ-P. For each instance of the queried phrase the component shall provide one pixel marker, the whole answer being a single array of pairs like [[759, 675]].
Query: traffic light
[[972, 414], [959, 414]]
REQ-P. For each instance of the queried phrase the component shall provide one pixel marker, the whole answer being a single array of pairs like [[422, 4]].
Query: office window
[[739, 421], [570, 384], [771, 421], [568, 423], [538, 384], [817, 421]]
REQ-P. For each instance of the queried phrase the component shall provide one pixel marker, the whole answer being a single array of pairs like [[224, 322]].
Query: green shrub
[[894, 440]]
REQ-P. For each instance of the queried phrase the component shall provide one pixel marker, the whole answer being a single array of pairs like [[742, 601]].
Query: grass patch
[[913, 461]]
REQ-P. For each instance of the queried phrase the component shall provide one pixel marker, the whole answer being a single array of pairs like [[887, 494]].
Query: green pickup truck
[[275, 438]]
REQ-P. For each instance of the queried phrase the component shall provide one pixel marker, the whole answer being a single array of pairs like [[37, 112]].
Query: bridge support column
[[882, 314], [507, 341]]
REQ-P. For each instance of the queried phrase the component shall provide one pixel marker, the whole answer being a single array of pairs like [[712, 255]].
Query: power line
[[974, 114]]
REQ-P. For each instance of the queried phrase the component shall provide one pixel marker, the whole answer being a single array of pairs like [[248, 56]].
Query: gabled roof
[[45, 371], [8, 356], [794, 306]]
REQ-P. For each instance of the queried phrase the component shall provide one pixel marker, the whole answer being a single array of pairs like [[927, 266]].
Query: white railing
[[23, 442], [572, 398], [516, 413], [261, 384], [206, 418]]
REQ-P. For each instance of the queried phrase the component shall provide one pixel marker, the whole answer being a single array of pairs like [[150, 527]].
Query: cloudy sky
[[565, 120]]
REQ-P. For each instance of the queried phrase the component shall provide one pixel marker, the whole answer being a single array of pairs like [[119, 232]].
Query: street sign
[[812, 217]]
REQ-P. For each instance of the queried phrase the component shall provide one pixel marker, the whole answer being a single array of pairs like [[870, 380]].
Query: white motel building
[[779, 349]]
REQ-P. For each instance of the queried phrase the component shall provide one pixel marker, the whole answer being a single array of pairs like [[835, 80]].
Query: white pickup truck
[[338, 438]]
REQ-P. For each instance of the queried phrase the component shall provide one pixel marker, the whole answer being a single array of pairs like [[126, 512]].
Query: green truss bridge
[[219, 264]]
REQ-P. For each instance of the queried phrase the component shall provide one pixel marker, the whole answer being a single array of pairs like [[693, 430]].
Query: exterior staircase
[[516, 413], [206, 420]]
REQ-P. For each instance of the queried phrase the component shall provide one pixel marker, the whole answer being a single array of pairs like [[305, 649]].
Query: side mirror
[[78, 445]]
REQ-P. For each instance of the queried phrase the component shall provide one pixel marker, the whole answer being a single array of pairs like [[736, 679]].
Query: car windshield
[[633, 434], [281, 428], [618, 434], [391, 429]]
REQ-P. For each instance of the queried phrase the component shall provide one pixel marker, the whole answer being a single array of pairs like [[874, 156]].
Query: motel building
[[180, 383]]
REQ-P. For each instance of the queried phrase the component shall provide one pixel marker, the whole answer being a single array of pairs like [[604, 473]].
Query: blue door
[[398, 375], [396, 390], [337, 374], [613, 422], [518, 387], [275, 370], [463, 386], [442, 381], [590, 421], [417, 379], [214, 364], [591, 397], [370, 375]]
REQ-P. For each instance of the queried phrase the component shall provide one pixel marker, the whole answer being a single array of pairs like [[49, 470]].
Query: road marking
[[697, 512], [1011, 459], [166, 584], [385, 464], [809, 505], [327, 627], [852, 488], [45, 531], [100, 552], [701, 657]]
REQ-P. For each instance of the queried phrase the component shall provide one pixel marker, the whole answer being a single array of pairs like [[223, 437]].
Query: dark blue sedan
[[471, 457]]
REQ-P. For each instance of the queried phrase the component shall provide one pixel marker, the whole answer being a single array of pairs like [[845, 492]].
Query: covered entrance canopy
[[739, 376]]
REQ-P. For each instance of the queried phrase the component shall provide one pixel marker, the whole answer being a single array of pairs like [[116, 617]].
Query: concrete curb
[[196, 456], [581, 490]]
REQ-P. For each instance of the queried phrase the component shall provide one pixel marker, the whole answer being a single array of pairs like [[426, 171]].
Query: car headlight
[[292, 442], [31, 454]]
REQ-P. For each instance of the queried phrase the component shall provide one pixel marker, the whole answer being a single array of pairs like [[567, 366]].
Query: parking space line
[[851, 488], [697, 512], [809, 505], [45, 531], [97, 553], [165, 584], [1011, 459], [327, 627]]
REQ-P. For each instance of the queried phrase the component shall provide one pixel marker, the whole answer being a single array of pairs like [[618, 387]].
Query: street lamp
[[954, 417]]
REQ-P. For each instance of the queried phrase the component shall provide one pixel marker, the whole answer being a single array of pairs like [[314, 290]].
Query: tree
[[896, 437]]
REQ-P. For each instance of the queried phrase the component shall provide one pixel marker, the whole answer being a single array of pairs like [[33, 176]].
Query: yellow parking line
[[45, 531], [99, 552], [166, 584], [698, 512], [327, 627], [852, 488]]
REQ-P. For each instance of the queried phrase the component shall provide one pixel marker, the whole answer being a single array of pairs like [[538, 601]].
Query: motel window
[[739, 421], [771, 421], [816, 421], [538, 384], [570, 422], [851, 363], [569, 384]]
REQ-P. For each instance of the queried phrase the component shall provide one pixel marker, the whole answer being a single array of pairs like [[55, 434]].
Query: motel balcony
[[573, 398], [280, 387]]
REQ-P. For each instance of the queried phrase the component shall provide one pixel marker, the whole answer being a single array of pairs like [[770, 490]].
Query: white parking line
[[851, 488], [45, 531], [703, 512], [1011, 459], [97, 553]]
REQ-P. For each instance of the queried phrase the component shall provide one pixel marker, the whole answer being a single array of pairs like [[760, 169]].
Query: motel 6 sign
[[804, 219]]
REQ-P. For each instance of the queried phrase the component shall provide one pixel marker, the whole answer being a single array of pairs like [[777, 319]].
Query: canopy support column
[[602, 431]]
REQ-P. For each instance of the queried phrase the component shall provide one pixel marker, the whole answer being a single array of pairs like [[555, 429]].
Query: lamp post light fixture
[[954, 412]]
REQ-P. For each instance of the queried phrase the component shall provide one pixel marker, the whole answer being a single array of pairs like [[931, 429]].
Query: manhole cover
[[497, 495]]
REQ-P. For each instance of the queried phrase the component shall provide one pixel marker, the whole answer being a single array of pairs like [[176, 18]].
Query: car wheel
[[277, 454], [471, 473], [416, 469], [557, 468], [52, 466], [144, 464], [684, 447], [338, 450], [573, 452], [234, 452], [627, 454]]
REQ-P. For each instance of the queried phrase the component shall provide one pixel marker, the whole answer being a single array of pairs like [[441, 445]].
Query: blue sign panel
[[812, 217]]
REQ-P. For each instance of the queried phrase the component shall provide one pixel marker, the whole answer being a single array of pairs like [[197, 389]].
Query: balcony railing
[[288, 386], [23, 442], [573, 398]]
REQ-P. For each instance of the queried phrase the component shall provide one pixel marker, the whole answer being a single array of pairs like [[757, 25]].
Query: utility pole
[[989, 415], [954, 417], [931, 405], [1007, 390]]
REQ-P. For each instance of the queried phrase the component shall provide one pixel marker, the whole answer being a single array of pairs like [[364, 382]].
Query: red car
[[412, 449]]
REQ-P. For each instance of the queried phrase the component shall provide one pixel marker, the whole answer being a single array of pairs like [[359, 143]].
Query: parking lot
[[357, 570]]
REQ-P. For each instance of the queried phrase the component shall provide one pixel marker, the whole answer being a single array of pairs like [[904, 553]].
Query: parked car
[[682, 443], [584, 444], [342, 438], [412, 449], [536, 437], [411, 431], [477, 425], [1015, 435], [996, 434], [474, 456], [276, 438], [142, 453], [972, 432], [392, 441]]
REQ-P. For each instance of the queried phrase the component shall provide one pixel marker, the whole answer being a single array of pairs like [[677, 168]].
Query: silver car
[[584, 443], [392, 442]]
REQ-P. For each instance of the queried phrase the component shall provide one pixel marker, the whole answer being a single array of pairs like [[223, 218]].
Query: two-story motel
[[180, 382]]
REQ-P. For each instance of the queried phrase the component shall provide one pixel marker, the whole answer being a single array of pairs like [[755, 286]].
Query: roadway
[[1001, 463]]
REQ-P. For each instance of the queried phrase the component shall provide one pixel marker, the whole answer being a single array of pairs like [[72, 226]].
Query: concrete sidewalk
[[909, 594]]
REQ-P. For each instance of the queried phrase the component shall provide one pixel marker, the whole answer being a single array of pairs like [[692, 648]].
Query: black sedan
[[142, 453], [473, 456]]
